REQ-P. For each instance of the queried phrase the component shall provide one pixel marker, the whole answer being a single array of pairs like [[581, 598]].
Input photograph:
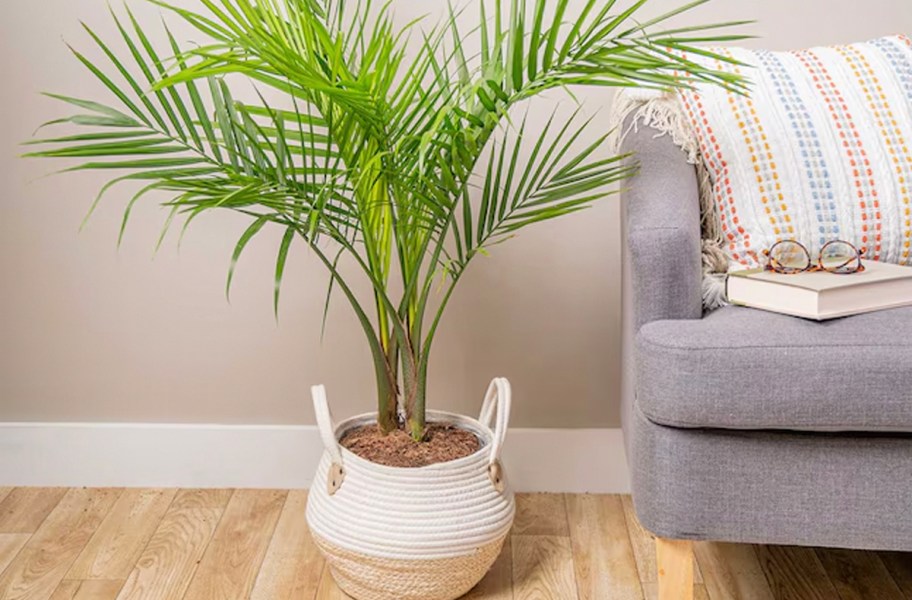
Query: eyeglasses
[[837, 256]]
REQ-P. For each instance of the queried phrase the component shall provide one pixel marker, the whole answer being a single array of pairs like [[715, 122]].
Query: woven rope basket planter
[[428, 533]]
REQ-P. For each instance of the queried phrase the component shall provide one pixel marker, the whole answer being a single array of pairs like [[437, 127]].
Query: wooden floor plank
[[858, 575], [190, 498], [44, 560], [543, 568], [66, 590], [651, 591], [732, 571], [95, 589], [602, 555], [22, 510], [644, 548], [99, 589], [899, 565], [121, 537], [293, 564], [498, 582], [231, 562], [10, 545], [256, 545], [167, 564], [540, 514], [795, 573]]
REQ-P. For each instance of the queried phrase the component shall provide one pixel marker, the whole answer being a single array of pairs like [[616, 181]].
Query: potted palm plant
[[396, 149]]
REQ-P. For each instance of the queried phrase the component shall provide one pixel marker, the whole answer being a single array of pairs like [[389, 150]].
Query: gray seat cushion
[[740, 368]]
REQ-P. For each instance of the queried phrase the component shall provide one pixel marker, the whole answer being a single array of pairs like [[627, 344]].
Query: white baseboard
[[269, 456]]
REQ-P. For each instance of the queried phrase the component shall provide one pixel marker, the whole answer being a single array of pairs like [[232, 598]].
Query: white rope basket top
[[443, 510]]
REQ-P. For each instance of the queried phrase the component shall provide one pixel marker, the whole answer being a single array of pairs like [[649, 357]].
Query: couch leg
[[674, 559]]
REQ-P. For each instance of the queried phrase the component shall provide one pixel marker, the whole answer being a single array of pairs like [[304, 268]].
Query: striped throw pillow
[[820, 149]]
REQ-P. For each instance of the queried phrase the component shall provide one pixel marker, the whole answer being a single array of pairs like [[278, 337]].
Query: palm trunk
[[388, 400], [387, 418], [386, 368], [416, 419]]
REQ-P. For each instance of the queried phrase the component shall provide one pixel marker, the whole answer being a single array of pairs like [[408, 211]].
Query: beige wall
[[90, 333]]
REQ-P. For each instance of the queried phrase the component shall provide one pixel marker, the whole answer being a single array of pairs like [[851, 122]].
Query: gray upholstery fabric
[[662, 230], [839, 490], [740, 368], [747, 485], [661, 253]]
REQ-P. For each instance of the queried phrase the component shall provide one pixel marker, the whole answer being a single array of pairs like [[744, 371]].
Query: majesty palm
[[394, 144]]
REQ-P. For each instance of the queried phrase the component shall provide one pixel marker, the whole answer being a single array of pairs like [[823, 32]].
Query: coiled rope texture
[[385, 530]]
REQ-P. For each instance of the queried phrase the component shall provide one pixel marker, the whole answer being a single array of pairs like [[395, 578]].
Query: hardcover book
[[822, 295]]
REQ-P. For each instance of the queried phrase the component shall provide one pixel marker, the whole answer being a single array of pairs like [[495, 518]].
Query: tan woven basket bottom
[[370, 578]]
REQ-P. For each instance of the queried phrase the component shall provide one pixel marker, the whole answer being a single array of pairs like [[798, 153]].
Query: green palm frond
[[393, 146]]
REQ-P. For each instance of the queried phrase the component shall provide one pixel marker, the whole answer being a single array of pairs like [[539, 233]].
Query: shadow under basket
[[426, 533]]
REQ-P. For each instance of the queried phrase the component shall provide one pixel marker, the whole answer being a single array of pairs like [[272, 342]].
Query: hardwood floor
[[159, 544]]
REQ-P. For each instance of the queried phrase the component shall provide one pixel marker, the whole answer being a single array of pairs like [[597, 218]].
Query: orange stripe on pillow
[[711, 151], [897, 147], [765, 169]]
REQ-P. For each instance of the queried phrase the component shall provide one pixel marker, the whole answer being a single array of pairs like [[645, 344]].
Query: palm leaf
[[404, 159]]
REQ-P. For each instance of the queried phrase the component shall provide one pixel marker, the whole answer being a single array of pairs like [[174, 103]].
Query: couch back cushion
[[820, 149]]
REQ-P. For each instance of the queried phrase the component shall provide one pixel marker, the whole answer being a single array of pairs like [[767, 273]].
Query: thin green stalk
[[384, 368]]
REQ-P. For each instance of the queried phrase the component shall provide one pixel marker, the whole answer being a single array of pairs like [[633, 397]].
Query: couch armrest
[[662, 231]]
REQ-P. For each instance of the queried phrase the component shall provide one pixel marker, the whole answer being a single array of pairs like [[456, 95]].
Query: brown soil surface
[[442, 443]]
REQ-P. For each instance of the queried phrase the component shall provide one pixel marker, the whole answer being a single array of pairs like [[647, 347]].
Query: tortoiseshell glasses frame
[[846, 263]]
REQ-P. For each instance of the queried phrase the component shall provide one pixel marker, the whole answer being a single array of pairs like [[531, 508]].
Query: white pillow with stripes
[[820, 149]]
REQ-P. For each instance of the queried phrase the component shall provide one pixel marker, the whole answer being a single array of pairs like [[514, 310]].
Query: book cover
[[822, 295]]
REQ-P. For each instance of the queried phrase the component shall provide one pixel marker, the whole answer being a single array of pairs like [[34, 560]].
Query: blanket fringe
[[663, 112]]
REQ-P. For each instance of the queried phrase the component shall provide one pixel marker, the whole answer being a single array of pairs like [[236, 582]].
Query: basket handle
[[496, 408], [328, 435]]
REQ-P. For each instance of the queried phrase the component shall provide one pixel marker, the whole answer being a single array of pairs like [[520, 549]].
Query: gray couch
[[748, 426]]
